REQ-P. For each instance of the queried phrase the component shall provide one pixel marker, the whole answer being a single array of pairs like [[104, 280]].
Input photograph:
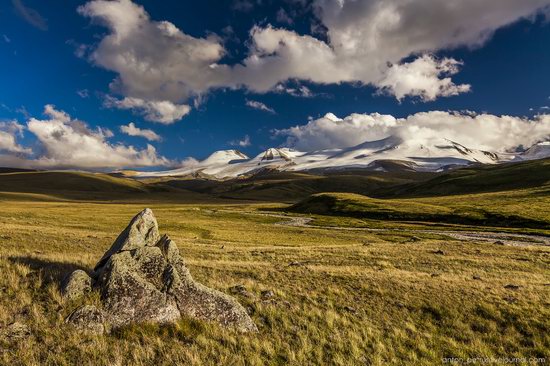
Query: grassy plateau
[[345, 294]]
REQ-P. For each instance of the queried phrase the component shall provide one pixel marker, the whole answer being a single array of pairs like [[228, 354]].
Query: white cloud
[[259, 106], [30, 15], [425, 77], [301, 91], [161, 111], [65, 142], [83, 93], [244, 142], [132, 130], [367, 43], [9, 130], [154, 60], [483, 131]]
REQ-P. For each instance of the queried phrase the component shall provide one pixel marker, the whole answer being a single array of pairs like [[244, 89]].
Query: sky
[[145, 84]]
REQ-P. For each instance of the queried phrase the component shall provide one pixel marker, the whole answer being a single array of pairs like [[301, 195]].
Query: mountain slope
[[480, 178], [438, 154], [67, 181]]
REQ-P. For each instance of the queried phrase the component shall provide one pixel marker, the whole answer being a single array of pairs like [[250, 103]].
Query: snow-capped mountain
[[372, 155], [537, 151]]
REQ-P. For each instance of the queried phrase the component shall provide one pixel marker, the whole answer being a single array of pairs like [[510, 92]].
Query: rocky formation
[[143, 278], [88, 318], [76, 285]]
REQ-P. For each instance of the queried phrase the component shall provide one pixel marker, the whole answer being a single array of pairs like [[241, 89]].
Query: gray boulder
[[142, 231], [89, 319], [143, 278], [132, 287], [76, 285], [198, 301]]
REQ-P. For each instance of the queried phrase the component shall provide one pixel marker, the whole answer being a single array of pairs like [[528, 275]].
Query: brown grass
[[357, 298]]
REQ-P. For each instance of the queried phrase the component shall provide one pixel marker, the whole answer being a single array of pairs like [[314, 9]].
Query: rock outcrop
[[88, 318], [143, 278], [76, 285]]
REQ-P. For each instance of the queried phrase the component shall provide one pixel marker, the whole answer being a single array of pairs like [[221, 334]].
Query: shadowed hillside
[[67, 181], [519, 209], [293, 186], [482, 178]]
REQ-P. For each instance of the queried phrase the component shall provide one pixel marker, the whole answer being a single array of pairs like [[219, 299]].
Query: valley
[[352, 278]]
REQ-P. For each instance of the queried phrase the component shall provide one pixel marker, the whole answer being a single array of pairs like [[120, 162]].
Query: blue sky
[[49, 56]]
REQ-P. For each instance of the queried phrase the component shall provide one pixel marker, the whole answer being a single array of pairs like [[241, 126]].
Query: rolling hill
[[41, 181], [508, 195], [476, 179], [517, 210]]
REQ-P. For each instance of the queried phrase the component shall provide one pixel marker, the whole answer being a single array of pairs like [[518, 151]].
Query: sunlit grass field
[[341, 297]]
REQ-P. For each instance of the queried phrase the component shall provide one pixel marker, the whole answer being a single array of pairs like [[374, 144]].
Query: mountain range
[[382, 155]]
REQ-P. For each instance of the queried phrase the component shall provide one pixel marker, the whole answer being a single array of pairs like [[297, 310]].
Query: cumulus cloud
[[244, 142], [65, 142], [478, 131], [132, 130], [425, 77], [9, 130], [161, 111], [366, 42], [259, 106], [154, 59]]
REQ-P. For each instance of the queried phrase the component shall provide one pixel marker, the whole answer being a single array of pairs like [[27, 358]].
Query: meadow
[[340, 297]]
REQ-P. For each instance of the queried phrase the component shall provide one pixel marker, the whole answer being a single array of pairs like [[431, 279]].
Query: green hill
[[294, 186], [482, 178], [48, 181], [521, 208]]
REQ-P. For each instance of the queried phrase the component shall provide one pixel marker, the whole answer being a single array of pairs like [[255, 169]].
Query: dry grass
[[357, 298]]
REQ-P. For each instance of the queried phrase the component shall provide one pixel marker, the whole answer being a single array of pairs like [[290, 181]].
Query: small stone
[[499, 242], [350, 309], [239, 290], [88, 319], [267, 294], [250, 310], [439, 252], [17, 331], [76, 285], [476, 277], [512, 287]]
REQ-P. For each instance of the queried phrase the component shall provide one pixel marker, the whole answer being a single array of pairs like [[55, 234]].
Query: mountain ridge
[[441, 155]]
